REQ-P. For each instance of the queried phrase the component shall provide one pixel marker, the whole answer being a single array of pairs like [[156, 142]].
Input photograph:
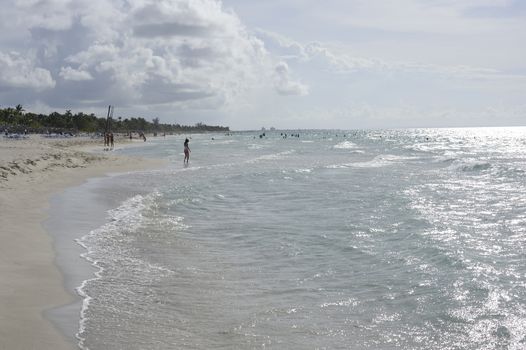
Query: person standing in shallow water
[[186, 151]]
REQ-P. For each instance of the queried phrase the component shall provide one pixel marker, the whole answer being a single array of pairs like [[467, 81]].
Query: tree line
[[17, 120]]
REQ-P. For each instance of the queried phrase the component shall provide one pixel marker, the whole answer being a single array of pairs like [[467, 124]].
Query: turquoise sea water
[[394, 239]]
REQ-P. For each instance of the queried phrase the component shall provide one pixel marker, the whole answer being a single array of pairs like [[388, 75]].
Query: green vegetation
[[16, 120]]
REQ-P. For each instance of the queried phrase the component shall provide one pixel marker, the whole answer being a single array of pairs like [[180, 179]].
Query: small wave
[[470, 166], [107, 242], [477, 167], [345, 145], [169, 222], [348, 303], [445, 159], [254, 146], [273, 156], [376, 162], [223, 142], [484, 324], [303, 171], [512, 172]]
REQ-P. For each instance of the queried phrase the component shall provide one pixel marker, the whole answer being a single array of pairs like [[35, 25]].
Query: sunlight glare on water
[[410, 239]]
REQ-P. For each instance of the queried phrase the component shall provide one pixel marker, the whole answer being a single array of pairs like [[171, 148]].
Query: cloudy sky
[[283, 63]]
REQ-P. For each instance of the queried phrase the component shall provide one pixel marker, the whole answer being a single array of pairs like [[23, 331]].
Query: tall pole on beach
[[108, 118]]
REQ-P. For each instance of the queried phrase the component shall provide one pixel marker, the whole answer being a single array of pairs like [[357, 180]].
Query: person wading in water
[[186, 151]]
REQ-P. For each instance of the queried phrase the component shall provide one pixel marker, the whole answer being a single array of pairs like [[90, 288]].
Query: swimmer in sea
[[186, 151]]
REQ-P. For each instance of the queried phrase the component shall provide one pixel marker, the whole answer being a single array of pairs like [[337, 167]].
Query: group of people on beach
[[108, 144], [108, 140]]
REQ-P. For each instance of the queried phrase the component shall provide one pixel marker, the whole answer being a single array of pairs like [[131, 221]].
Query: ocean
[[323, 239]]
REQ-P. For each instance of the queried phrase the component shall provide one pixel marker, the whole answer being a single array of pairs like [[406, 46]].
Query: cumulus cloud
[[285, 85], [283, 46], [17, 71], [289, 49], [140, 52], [68, 73]]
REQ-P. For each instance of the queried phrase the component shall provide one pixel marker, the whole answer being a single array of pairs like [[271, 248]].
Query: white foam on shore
[[128, 215]]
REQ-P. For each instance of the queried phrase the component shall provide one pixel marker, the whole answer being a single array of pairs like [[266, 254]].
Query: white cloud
[[285, 85], [344, 63], [53, 15], [17, 71], [69, 73], [143, 52], [165, 56]]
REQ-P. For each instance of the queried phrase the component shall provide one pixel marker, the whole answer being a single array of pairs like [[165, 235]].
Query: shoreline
[[31, 283]]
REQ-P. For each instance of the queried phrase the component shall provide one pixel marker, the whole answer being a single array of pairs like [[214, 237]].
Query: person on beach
[[186, 151], [106, 141], [111, 140]]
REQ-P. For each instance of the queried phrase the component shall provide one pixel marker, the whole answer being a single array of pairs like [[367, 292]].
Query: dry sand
[[30, 283]]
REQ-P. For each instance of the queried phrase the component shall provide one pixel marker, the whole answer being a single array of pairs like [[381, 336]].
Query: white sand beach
[[31, 170]]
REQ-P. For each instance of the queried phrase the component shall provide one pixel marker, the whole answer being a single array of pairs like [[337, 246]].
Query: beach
[[31, 170]]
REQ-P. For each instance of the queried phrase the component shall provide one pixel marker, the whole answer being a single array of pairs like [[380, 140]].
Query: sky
[[288, 64]]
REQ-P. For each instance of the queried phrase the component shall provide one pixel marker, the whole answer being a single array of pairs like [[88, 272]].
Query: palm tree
[[19, 109]]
